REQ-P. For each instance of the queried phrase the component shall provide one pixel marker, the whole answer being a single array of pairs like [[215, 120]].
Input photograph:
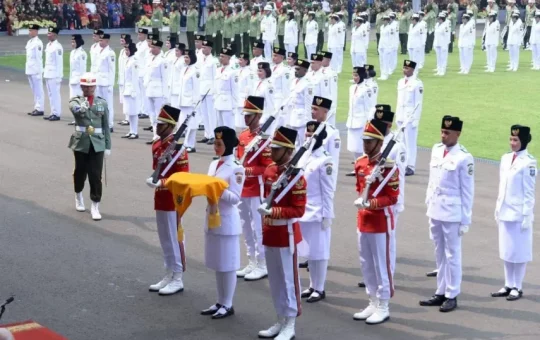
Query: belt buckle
[[90, 130]]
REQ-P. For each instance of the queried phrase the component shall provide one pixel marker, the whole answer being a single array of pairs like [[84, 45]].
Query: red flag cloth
[[31, 330]]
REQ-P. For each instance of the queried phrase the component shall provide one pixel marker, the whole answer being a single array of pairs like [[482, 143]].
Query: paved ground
[[89, 280]]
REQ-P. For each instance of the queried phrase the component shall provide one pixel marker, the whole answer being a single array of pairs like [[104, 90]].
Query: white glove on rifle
[[527, 222], [151, 184], [360, 204], [463, 229], [326, 223], [263, 210]]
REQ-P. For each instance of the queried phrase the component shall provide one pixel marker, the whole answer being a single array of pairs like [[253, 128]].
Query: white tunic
[[515, 33], [492, 33], [226, 89], [106, 67], [34, 57], [54, 62], [77, 65], [155, 77], [291, 33], [467, 34], [300, 102], [264, 88], [312, 32], [268, 28], [410, 96], [442, 34]]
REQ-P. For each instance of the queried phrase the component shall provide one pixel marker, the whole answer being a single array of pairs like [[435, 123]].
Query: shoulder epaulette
[[462, 148], [237, 162], [98, 97], [531, 156], [359, 158]]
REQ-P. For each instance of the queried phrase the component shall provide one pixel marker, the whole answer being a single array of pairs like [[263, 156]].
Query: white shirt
[[320, 187], [359, 105], [54, 62], [77, 65], [291, 32], [34, 57], [268, 28], [410, 95]]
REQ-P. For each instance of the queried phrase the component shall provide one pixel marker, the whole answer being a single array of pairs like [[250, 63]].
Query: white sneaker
[[248, 269], [381, 315], [94, 210], [273, 331], [176, 285], [79, 202], [161, 284], [260, 272], [368, 311], [287, 331]]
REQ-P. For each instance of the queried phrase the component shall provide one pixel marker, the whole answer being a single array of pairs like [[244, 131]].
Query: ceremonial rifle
[[3, 307], [166, 156]]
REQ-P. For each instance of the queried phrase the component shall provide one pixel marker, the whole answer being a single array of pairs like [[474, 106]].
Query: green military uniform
[[191, 27], [211, 28], [435, 8], [305, 19], [219, 33], [455, 8], [236, 28], [254, 29], [157, 22], [529, 21], [89, 141], [298, 18], [430, 19], [320, 18], [228, 29], [281, 30], [174, 24], [494, 8], [244, 29], [404, 23], [474, 9]]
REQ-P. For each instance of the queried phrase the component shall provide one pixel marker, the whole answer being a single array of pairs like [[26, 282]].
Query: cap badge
[[319, 101], [219, 135], [515, 132], [311, 128], [448, 123], [379, 114]]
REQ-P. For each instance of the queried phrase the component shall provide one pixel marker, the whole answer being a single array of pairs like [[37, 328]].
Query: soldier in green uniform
[[452, 19], [281, 26], [510, 7], [191, 25], [320, 17], [157, 19], [254, 28], [530, 9], [454, 5], [298, 18], [228, 33], [434, 6], [305, 19], [404, 18], [211, 27], [218, 44], [473, 8], [244, 28], [174, 22], [237, 29], [430, 20], [90, 142]]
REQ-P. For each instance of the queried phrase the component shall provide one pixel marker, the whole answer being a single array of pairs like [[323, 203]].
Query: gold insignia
[[219, 135], [380, 108], [311, 128], [515, 132], [379, 114], [154, 42], [319, 101], [205, 42], [329, 169], [407, 62], [299, 62], [179, 199], [50, 29], [224, 50], [276, 50], [448, 123], [300, 183]]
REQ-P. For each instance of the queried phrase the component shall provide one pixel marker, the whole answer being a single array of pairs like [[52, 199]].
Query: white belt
[[275, 222], [83, 129]]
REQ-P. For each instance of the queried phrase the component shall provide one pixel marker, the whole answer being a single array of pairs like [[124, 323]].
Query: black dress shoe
[[514, 295], [435, 301], [204, 140], [71, 123], [143, 116], [126, 136], [133, 136], [37, 113], [150, 142], [220, 315], [303, 264], [307, 293], [30, 113], [111, 130], [191, 150], [448, 305], [53, 118], [148, 128], [409, 172], [212, 310], [319, 296], [362, 284], [350, 174], [432, 273], [210, 141], [502, 293]]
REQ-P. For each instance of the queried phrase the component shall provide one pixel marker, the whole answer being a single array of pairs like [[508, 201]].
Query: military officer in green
[[90, 142], [430, 19], [404, 18], [191, 25], [452, 19], [157, 19], [530, 9], [281, 27], [244, 28], [473, 8], [434, 6], [237, 29], [210, 27], [298, 18], [254, 27], [305, 20], [321, 19], [227, 32], [174, 22]]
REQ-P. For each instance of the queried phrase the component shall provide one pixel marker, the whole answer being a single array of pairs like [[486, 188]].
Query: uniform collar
[[226, 158], [318, 152]]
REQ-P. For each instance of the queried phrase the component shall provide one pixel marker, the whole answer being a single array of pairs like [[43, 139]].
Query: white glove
[[360, 204], [463, 229], [107, 153], [248, 32], [221, 31], [232, 39], [213, 35], [59, 80], [110, 88], [527, 222], [151, 184], [326, 223], [263, 210]]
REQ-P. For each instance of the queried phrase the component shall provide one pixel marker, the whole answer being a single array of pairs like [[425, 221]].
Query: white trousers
[[226, 286], [385, 55], [292, 48], [268, 45], [393, 243], [447, 241], [393, 59], [442, 58], [311, 49], [55, 101], [491, 54], [206, 109], [120, 94], [535, 55], [513, 51], [411, 136], [284, 281], [358, 59], [374, 249], [252, 226], [106, 92], [173, 251], [466, 58], [225, 118], [154, 106], [74, 90], [191, 133], [131, 109], [36, 84], [514, 273], [143, 102], [336, 62]]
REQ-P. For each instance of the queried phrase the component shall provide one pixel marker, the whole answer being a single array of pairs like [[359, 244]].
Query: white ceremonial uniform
[[534, 41], [515, 38], [372, 84], [131, 93], [208, 67], [449, 200], [290, 39], [170, 58], [386, 49], [268, 32], [492, 42], [300, 107], [466, 42], [332, 145], [515, 205], [318, 81], [141, 56], [122, 61], [331, 78], [318, 216], [222, 244], [175, 81], [440, 42], [359, 108], [312, 32], [246, 81], [94, 53], [226, 95], [189, 96], [155, 85], [281, 81], [77, 67], [395, 46], [336, 40], [409, 109], [254, 64], [105, 74], [358, 47], [264, 88], [415, 43], [53, 73], [34, 71]]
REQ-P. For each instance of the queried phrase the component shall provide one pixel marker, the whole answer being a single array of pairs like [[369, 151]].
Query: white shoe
[[79, 202], [176, 285], [260, 272], [161, 284], [273, 331], [94, 210], [287, 331], [248, 269], [368, 311], [381, 315]]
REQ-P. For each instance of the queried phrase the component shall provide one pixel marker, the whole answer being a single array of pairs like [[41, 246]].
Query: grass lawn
[[488, 103]]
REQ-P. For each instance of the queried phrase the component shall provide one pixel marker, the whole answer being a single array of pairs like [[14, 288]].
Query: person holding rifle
[[377, 183], [253, 188], [166, 217], [281, 234]]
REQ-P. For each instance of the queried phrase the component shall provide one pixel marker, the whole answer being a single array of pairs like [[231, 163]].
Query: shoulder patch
[[532, 170], [470, 169], [329, 169], [239, 176]]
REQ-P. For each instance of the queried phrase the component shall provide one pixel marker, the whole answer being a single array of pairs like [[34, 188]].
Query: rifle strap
[[289, 186], [261, 148], [383, 183]]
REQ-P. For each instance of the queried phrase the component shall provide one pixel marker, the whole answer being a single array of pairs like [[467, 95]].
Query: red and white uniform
[[375, 227]]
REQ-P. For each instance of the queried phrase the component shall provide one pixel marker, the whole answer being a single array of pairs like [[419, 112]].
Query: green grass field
[[488, 103]]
